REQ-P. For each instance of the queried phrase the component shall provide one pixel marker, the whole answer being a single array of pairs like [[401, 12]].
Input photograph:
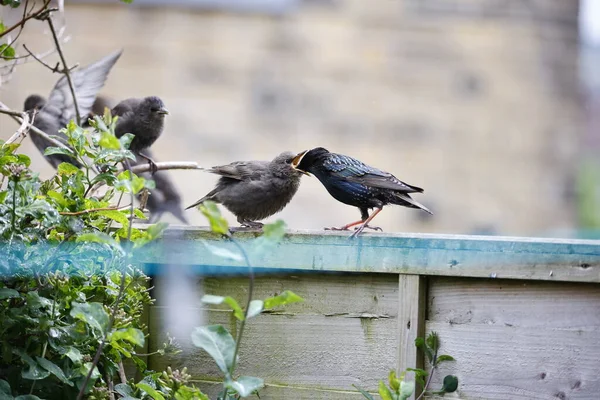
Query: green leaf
[[393, 381], [27, 397], [109, 141], [155, 394], [59, 198], [365, 394], [6, 51], [91, 313], [406, 390], [433, 342], [126, 140], [246, 385], [223, 252], [98, 238], [115, 215], [2, 27], [74, 354], [155, 231], [272, 234], [23, 159], [58, 150], [384, 392], [450, 384], [127, 1], [85, 369], [444, 357], [218, 223], [139, 214], [218, 343], [124, 390], [284, 298], [67, 169], [420, 343], [131, 335], [256, 307], [34, 372], [53, 369], [230, 301], [6, 293], [4, 386], [420, 375]]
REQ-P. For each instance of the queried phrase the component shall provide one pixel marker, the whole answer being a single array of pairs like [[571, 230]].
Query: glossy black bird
[[254, 190], [354, 183], [143, 118], [53, 114], [164, 197]]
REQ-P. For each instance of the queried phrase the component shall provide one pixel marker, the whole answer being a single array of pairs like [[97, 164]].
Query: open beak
[[297, 160], [163, 111]]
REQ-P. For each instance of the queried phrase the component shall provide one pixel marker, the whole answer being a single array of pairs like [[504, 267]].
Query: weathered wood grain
[[514, 303], [311, 351], [411, 322], [443, 255], [518, 340]]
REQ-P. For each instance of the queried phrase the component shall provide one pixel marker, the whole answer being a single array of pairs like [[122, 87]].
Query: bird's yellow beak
[[163, 111], [297, 160]]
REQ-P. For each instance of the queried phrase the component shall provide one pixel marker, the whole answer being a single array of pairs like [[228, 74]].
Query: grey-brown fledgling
[[164, 197], [143, 118], [254, 190], [55, 113]]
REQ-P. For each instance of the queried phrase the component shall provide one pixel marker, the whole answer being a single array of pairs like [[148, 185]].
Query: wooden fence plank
[[411, 321], [442, 255]]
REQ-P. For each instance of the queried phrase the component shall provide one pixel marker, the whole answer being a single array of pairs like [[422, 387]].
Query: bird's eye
[[154, 109], [289, 160]]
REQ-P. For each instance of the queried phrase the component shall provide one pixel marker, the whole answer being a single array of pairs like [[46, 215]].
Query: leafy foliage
[[399, 389]]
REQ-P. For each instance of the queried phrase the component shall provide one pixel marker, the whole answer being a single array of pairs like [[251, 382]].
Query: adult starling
[[254, 190], [143, 118], [54, 113], [164, 197], [354, 183]]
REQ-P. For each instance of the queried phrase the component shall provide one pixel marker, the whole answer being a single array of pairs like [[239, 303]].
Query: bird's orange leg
[[345, 227], [366, 223]]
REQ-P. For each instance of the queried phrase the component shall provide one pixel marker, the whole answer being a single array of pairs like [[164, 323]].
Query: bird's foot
[[375, 228], [251, 225]]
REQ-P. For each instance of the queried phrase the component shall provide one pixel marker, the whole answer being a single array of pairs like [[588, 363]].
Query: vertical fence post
[[411, 320]]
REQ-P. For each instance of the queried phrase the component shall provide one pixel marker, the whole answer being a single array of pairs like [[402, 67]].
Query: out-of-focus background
[[489, 105]]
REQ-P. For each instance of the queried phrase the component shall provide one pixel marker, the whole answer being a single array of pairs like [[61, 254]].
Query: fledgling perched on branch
[[143, 118], [357, 184], [254, 190], [54, 113]]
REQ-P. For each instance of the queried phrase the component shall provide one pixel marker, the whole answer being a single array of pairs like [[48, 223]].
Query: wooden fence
[[521, 316]]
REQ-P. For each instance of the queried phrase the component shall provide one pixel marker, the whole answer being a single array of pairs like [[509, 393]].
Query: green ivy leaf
[[131, 335], [126, 140], [109, 141], [230, 301], [74, 354], [155, 394], [406, 389], [393, 381], [91, 313], [7, 52], [384, 392], [218, 223], [6, 293], [246, 385], [67, 169], [218, 343], [54, 370], [34, 372], [365, 394], [444, 357], [287, 297], [256, 307], [115, 215], [58, 150]]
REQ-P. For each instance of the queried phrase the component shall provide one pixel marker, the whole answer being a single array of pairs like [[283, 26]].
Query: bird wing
[[126, 107], [353, 170], [87, 82], [241, 170]]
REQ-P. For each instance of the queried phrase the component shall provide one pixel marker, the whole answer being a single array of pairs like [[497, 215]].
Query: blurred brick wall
[[476, 101]]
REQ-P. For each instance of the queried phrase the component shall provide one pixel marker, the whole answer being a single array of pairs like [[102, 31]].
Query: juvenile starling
[[143, 118], [357, 184], [55, 113], [164, 197], [254, 190]]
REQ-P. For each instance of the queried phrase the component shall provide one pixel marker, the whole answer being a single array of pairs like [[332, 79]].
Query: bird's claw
[[252, 225], [153, 167]]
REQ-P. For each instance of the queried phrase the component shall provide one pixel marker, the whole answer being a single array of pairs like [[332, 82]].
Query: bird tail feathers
[[405, 198]]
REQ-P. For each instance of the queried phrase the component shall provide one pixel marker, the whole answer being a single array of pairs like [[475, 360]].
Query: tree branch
[[45, 64], [22, 131], [163, 166], [91, 210], [26, 18], [66, 71]]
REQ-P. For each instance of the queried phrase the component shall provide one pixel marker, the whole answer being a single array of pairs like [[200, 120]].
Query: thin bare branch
[[66, 69], [22, 131], [17, 116], [163, 166], [26, 18], [91, 210]]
